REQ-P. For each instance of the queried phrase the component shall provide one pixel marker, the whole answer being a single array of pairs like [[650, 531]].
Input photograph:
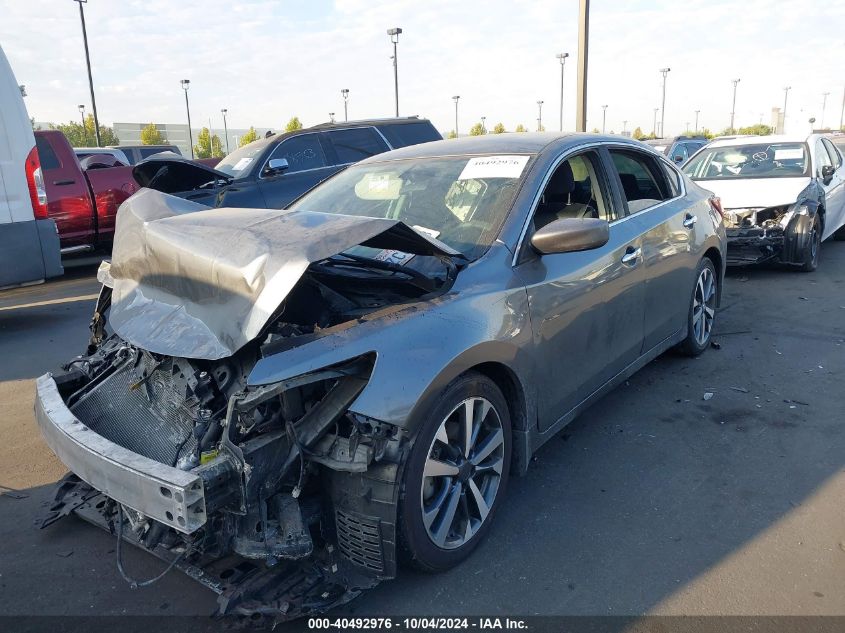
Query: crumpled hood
[[195, 282], [747, 193]]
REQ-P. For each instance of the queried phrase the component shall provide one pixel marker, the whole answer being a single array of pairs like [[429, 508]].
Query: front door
[[307, 166]]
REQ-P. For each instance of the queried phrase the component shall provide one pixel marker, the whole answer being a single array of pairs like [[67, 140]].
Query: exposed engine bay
[[275, 496], [760, 234]]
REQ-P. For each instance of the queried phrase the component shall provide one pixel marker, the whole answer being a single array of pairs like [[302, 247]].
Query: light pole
[[483, 126], [664, 72], [583, 50], [842, 111], [185, 85], [82, 116], [345, 93], [824, 105], [696, 121], [733, 106], [624, 125], [562, 57], [456, 98], [654, 124], [331, 117], [785, 97], [540, 115], [394, 38], [90, 79], [224, 112], [603, 117]]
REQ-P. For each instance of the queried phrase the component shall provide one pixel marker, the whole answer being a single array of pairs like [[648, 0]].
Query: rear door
[[586, 307], [68, 198], [652, 194], [834, 191], [354, 144], [308, 164]]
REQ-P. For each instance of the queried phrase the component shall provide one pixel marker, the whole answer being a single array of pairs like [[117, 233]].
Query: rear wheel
[[810, 259], [702, 310], [456, 474]]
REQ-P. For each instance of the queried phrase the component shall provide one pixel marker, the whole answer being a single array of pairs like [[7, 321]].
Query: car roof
[[367, 122], [506, 143], [756, 140]]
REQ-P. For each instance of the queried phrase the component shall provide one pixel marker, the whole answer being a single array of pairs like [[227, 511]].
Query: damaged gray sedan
[[285, 404]]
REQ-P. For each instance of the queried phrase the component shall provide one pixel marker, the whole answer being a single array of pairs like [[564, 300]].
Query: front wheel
[[810, 259], [702, 310], [456, 474]]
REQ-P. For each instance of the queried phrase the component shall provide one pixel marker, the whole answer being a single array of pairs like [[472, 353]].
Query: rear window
[[409, 133], [356, 144], [46, 155]]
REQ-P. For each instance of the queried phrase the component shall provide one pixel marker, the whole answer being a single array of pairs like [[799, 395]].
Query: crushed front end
[[757, 234]]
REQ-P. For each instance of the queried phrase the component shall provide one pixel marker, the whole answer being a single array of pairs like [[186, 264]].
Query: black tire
[[416, 546], [695, 343], [839, 236], [810, 256]]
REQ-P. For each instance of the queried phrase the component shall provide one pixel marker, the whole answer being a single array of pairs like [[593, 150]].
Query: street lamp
[[696, 121], [345, 94], [624, 125], [540, 116], [664, 72], [394, 38], [224, 112], [483, 126], [733, 106], [185, 85], [90, 79], [455, 99], [824, 105], [785, 97], [81, 107], [603, 117], [562, 57], [654, 124]]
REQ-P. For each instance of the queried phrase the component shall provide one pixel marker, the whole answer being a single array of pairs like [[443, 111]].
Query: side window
[[403, 134], [146, 153], [46, 155], [356, 144], [673, 179], [679, 153], [822, 157], [834, 155], [302, 152], [575, 190], [643, 183]]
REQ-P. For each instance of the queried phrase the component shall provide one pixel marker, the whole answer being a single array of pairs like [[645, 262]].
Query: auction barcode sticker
[[494, 167]]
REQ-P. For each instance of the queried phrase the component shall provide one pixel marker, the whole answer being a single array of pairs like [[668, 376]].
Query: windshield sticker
[[789, 154], [494, 167], [427, 231], [242, 164], [393, 257]]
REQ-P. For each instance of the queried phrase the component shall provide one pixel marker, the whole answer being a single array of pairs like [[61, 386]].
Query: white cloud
[[268, 61]]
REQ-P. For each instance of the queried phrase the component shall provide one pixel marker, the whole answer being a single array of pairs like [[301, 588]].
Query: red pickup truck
[[83, 203]]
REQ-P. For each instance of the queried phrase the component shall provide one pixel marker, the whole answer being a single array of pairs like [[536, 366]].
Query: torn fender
[[194, 282]]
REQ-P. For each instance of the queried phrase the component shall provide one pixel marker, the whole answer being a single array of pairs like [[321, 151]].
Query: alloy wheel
[[704, 306], [462, 473]]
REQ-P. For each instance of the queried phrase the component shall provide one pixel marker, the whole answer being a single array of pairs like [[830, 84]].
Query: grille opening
[[359, 538]]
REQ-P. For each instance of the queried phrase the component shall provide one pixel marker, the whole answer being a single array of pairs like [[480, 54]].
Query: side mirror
[[571, 234], [827, 174], [276, 166]]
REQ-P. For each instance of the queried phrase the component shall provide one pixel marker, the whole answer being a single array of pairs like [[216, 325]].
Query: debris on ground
[[715, 345], [708, 395], [740, 389], [66, 554]]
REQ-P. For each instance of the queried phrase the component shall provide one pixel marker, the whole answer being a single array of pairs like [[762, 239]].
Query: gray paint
[[29, 252]]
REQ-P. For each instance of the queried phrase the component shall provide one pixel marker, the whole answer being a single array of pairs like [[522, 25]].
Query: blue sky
[[267, 61]]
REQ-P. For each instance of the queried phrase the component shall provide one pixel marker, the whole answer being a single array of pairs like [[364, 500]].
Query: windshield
[[461, 201], [238, 162], [759, 160]]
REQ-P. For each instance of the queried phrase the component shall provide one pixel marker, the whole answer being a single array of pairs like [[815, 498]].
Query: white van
[[29, 242]]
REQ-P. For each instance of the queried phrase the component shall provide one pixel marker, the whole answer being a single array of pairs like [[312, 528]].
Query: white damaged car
[[782, 195]]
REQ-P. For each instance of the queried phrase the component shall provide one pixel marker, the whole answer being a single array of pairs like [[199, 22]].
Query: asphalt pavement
[[657, 500]]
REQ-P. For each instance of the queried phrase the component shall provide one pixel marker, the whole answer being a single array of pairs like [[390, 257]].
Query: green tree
[[151, 136], [293, 125], [451, 134], [499, 128], [208, 146], [542, 128], [249, 137], [757, 130], [637, 133], [595, 130], [78, 136], [520, 128], [477, 130]]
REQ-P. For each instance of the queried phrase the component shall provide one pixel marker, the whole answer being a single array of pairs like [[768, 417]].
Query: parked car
[[272, 172], [313, 394], [136, 153], [29, 244], [112, 157], [782, 195], [678, 148], [83, 202]]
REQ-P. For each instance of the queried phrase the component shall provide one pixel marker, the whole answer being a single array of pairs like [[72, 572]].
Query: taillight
[[716, 204], [35, 182]]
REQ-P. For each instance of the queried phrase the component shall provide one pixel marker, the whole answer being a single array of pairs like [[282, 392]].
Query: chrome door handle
[[632, 255], [690, 220]]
